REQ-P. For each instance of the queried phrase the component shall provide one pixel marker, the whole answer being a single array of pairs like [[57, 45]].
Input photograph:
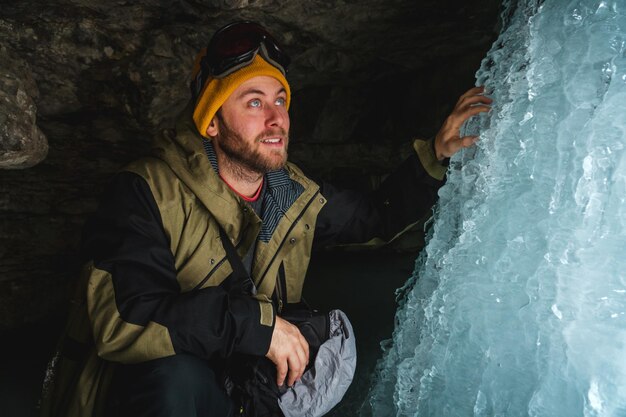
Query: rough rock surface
[[366, 76], [22, 144]]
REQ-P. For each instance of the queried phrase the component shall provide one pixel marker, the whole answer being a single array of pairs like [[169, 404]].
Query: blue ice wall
[[518, 302]]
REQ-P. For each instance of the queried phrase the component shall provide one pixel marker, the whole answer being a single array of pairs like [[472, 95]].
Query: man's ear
[[212, 130]]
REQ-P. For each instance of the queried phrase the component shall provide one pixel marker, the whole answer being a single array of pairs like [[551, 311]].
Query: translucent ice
[[518, 303]]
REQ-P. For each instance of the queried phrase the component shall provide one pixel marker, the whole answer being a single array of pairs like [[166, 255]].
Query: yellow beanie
[[217, 90]]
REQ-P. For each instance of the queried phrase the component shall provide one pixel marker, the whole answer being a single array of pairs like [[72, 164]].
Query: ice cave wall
[[517, 306]]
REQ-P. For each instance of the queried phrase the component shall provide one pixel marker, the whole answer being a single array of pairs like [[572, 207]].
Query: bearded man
[[154, 316]]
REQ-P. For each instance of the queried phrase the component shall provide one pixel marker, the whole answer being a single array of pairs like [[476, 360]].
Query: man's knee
[[184, 373], [179, 385]]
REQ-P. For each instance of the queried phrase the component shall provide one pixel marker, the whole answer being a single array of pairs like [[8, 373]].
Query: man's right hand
[[289, 350]]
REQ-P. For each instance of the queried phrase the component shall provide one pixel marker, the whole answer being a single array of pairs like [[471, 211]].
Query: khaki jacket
[[153, 283]]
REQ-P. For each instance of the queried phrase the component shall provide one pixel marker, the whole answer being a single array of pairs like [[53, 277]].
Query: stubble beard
[[244, 160]]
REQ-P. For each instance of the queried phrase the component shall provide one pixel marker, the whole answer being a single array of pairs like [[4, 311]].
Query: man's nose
[[275, 116]]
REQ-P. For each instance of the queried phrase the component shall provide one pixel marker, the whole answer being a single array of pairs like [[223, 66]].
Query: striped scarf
[[280, 194]]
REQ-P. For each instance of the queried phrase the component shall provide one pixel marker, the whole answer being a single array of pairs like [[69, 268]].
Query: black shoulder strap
[[240, 276]]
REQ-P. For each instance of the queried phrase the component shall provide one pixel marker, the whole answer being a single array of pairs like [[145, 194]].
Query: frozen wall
[[518, 303]]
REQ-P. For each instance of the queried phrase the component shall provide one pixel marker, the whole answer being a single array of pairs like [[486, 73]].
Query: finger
[[295, 370], [452, 147], [281, 372], [304, 359], [305, 348], [474, 110], [458, 118], [472, 92], [468, 101], [302, 356], [468, 141], [456, 144]]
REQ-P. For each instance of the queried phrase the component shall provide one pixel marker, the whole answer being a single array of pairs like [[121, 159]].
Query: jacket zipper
[[285, 238], [279, 297], [215, 268], [197, 287], [281, 288]]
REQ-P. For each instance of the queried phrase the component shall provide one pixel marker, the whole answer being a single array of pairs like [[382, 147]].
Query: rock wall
[[88, 83]]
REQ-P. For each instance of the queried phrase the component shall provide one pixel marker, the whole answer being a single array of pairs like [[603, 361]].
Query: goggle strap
[[262, 49], [266, 55], [199, 81], [236, 67]]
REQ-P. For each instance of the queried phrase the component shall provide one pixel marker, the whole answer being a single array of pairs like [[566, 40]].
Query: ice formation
[[518, 303]]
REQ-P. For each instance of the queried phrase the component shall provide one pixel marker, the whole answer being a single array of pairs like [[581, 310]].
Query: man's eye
[[255, 103], [280, 101]]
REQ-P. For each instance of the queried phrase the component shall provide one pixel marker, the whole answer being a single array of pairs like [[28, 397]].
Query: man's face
[[253, 126]]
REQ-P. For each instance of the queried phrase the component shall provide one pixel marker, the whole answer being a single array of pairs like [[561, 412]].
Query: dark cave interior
[[87, 84]]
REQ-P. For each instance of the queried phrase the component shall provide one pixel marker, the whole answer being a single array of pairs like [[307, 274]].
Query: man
[[154, 317]]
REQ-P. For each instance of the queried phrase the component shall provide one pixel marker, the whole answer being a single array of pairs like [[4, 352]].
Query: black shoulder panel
[[126, 238], [352, 217]]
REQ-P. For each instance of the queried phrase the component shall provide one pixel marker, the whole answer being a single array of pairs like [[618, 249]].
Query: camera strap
[[240, 277]]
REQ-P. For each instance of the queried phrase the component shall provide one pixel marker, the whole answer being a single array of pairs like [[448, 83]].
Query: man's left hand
[[448, 140]]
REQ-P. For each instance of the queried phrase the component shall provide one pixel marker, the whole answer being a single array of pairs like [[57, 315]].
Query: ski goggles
[[235, 45]]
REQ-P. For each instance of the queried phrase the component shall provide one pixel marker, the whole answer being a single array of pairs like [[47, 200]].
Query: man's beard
[[243, 158]]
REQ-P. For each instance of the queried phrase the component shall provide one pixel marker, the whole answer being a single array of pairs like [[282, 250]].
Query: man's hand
[[448, 140], [289, 350]]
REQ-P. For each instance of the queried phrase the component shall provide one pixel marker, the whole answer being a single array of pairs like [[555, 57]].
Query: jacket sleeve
[[135, 304], [403, 198]]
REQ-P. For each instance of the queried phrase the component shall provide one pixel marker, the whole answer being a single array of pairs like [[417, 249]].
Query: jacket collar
[[183, 151]]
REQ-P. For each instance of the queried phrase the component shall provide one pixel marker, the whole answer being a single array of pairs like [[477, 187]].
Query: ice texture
[[517, 306]]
